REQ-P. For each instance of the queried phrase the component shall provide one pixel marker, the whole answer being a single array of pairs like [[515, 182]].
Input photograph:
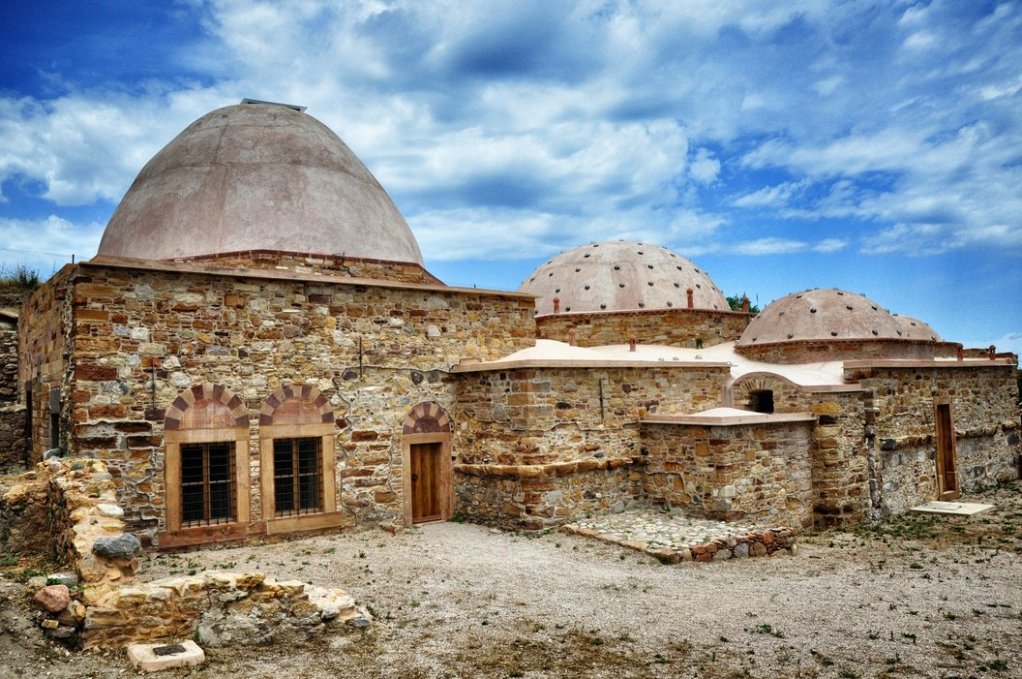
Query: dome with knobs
[[621, 276], [823, 315]]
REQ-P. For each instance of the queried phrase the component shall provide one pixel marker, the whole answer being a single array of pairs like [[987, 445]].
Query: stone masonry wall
[[835, 350], [13, 446], [984, 414], [539, 496], [673, 327], [12, 416], [542, 415], [43, 335], [536, 446], [8, 364], [757, 472], [843, 489], [141, 337]]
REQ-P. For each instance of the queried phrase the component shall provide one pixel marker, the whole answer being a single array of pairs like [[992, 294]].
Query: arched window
[[206, 467], [297, 460]]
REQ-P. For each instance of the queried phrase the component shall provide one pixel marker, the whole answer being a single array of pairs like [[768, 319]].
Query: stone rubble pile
[[218, 609]]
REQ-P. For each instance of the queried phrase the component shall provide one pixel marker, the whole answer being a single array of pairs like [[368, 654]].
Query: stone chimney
[[690, 293]]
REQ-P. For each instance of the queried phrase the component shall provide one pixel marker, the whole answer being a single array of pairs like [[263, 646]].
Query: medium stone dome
[[827, 315], [914, 329], [621, 276], [257, 176]]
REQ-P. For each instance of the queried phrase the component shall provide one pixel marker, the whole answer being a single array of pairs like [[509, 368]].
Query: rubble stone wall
[[13, 444], [24, 516], [673, 327], [755, 473], [984, 413]]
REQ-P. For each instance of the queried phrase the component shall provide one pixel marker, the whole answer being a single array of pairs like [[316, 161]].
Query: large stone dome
[[821, 315], [621, 276], [257, 176]]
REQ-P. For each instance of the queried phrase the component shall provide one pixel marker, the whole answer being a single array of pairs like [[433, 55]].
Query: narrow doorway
[[947, 472], [427, 492]]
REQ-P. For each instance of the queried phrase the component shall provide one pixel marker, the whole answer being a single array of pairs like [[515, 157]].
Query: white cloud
[[769, 246], [770, 196], [705, 168], [544, 125], [831, 245], [828, 85], [44, 245]]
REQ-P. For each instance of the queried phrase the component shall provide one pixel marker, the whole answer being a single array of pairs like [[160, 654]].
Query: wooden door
[[947, 471], [426, 482]]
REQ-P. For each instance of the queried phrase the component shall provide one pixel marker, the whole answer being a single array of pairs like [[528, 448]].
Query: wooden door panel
[[426, 477]]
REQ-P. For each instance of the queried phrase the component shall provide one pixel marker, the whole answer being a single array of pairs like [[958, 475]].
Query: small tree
[[736, 301]]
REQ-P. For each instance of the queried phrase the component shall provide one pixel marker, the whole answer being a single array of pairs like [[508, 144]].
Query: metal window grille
[[298, 476], [207, 484]]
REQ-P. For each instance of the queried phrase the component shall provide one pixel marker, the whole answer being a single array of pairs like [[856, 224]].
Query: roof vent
[[293, 107]]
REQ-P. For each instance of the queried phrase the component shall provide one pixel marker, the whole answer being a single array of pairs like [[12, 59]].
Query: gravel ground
[[917, 596]]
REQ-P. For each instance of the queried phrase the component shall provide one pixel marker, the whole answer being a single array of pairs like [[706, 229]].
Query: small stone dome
[[914, 329], [257, 176], [821, 315], [621, 276]]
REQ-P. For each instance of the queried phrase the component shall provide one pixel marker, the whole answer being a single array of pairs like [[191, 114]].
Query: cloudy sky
[[871, 146]]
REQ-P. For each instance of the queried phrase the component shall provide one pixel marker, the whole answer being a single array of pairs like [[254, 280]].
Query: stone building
[[257, 349]]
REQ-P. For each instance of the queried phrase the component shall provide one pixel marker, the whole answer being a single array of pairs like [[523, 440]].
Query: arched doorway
[[426, 461]]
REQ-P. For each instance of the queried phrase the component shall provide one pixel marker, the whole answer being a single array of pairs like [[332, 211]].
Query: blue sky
[[871, 146]]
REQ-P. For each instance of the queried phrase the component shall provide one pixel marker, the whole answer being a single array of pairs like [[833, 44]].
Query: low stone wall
[[534, 497], [758, 543], [86, 524], [756, 472], [218, 609], [13, 446]]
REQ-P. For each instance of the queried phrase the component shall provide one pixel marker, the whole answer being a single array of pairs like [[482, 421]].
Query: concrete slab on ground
[[155, 657], [954, 508]]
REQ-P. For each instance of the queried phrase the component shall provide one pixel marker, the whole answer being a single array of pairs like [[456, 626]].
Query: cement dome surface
[[821, 315], [621, 276], [257, 177]]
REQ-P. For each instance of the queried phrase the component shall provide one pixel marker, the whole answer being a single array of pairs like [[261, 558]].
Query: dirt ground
[[917, 596]]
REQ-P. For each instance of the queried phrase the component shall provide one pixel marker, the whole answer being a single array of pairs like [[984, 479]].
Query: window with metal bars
[[298, 476], [207, 484]]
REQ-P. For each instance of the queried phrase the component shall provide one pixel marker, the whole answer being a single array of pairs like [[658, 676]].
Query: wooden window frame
[[173, 439], [208, 484], [328, 516], [292, 449]]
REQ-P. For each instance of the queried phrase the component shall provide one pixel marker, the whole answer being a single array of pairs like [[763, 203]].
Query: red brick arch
[[427, 418], [206, 406], [296, 404]]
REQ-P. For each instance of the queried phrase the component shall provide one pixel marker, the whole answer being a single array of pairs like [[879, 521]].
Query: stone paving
[[672, 537]]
